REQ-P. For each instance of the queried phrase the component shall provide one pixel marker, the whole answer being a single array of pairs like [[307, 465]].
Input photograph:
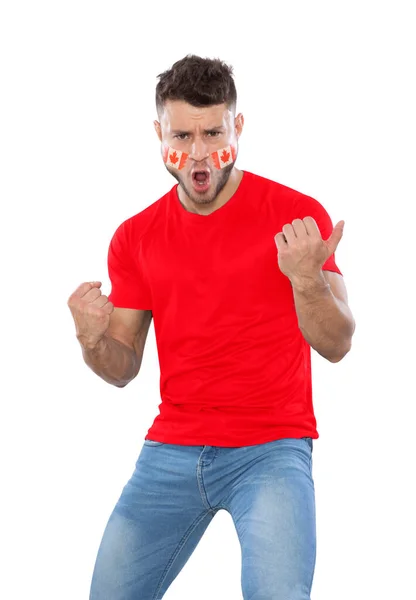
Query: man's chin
[[204, 196], [198, 197], [202, 199]]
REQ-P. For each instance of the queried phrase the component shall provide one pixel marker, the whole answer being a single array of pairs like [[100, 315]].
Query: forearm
[[113, 361], [325, 322]]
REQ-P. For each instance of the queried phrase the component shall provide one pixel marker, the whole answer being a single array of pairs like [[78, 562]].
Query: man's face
[[199, 132]]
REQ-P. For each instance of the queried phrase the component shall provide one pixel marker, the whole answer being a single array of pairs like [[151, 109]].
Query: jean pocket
[[153, 443]]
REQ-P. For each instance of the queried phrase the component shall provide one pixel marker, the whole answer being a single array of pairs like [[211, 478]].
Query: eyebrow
[[182, 131]]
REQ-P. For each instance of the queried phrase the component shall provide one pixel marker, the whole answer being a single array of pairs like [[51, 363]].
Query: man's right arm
[[117, 356]]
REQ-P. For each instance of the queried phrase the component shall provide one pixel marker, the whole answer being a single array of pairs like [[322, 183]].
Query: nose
[[199, 150]]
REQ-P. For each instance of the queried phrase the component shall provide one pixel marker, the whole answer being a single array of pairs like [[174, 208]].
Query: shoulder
[[288, 203], [279, 192], [264, 184], [276, 188], [134, 228]]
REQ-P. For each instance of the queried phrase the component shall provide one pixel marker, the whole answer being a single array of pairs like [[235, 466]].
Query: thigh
[[274, 515], [154, 527]]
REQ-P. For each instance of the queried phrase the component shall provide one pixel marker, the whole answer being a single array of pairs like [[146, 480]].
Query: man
[[239, 274]]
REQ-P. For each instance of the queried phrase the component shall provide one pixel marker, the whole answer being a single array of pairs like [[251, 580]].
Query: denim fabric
[[175, 492]]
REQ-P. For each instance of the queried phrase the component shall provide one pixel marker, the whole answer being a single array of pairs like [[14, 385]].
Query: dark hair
[[198, 81]]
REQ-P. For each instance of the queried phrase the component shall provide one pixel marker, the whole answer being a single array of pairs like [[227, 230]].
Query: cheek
[[224, 156], [174, 158]]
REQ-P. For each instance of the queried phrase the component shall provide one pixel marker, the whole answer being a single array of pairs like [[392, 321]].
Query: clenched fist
[[91, 311]]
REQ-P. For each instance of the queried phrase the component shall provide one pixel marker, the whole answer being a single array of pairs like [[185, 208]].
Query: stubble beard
[[205, 198]]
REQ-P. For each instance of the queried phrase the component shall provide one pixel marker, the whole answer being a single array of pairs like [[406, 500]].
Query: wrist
[[310, 283], [90, 345]]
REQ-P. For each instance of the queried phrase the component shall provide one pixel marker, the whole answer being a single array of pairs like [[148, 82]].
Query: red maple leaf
[[225, 156], [173, 158]]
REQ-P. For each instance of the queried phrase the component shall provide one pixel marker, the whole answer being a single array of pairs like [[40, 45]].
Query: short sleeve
[[305, 206], [129, 288]]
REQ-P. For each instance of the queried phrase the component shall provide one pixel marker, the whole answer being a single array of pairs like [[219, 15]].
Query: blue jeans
[[175, 492]]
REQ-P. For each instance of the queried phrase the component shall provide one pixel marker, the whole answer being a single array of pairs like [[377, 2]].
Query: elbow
[[339, 356], [335, 358], [121, 383]]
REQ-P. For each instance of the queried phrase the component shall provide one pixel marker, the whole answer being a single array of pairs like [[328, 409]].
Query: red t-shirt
[[235, 369]]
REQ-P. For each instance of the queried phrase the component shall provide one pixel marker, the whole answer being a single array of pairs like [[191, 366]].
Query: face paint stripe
[[224, 156], [183, 160], [174, 158], [216, 160]]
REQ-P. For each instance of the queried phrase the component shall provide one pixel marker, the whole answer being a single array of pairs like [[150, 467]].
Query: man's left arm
[[324, 316], [320, 296]]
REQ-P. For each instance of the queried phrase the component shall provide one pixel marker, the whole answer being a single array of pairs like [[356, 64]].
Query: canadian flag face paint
[[224, 157], [174, 158]]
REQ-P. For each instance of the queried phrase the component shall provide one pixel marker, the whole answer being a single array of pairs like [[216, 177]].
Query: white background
[[327, 92]]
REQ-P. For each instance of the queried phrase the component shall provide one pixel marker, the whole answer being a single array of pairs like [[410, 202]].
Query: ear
[[239, 124], [158, 129]]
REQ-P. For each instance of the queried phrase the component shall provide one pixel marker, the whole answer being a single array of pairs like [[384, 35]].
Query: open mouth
[[201, 180]]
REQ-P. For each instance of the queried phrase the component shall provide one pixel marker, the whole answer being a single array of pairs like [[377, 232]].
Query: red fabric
[[235, 368]]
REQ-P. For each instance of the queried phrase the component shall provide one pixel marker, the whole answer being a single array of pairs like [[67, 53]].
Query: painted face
[[199, 146], [174, 158], [177, 159], [224, 157]]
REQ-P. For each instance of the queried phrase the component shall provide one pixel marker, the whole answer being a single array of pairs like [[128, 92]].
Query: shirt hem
[[207, 441]]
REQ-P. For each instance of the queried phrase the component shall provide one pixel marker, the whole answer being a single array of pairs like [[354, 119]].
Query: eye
[[214, 133], [181, 136]]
